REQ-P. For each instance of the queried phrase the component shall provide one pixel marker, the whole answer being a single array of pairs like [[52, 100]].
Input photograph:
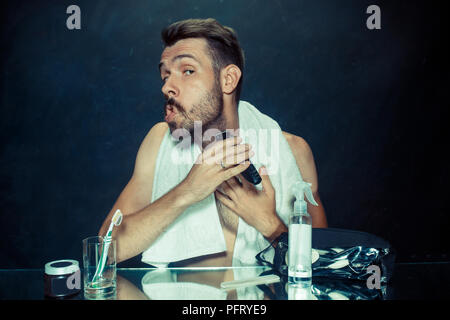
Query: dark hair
[[222, 41]]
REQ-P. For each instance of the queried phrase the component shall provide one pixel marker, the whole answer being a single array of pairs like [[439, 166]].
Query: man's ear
[[230, 76]]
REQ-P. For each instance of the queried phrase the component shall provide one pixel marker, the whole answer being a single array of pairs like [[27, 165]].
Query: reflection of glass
[[300, 291], [103, 287]]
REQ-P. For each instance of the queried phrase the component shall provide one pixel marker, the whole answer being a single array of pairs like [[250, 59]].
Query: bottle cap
[[300, 189], [60, 267]]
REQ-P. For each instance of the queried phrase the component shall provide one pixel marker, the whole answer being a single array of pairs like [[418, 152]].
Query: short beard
[[209, 111]]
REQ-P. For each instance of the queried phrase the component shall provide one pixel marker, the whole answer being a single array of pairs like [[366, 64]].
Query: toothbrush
[[115, 221]]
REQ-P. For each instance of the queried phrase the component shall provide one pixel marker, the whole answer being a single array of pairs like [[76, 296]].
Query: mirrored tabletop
[[410, 281]]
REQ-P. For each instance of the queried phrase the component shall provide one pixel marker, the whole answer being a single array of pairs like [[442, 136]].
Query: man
[[202, 70]]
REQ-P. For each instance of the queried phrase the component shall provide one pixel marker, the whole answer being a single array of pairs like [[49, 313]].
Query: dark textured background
[[373, 105]]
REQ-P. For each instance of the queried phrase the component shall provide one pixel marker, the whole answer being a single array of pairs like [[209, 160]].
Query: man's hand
[[257, 208], [219, 162]]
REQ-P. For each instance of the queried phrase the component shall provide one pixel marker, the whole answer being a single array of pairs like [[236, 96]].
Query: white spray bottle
[[300, 235]]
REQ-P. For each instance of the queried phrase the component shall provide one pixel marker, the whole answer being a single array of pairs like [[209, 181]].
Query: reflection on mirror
[[207, 284]]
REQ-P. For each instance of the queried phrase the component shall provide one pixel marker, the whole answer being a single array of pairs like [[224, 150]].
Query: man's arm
[[242, 197], [305, 162], [143, 221], [139, 228], [137, 193]]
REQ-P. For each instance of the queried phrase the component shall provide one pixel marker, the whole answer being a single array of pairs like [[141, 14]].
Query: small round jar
[[62, 279]]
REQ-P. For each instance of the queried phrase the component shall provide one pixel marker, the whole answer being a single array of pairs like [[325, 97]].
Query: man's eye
[[190, 72], [164, 79]]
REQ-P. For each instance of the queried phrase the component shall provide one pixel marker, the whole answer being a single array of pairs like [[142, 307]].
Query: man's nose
[[170, 89]]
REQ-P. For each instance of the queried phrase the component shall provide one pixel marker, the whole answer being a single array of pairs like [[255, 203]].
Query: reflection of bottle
[[300, 291], [300, 230]]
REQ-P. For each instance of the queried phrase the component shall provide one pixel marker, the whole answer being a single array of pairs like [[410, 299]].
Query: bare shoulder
[[300, 148], [148, 150], [304, 158], [155, 134], [305, 162]]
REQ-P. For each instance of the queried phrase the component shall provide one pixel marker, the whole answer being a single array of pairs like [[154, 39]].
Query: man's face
[[191, 89]]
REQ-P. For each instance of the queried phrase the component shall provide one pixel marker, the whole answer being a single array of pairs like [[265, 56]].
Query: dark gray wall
[[75, 106]]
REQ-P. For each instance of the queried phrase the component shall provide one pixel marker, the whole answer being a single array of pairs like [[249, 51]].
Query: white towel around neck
[[197, 231]]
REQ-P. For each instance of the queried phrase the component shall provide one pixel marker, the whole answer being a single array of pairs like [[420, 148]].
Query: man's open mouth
[[170, 113]]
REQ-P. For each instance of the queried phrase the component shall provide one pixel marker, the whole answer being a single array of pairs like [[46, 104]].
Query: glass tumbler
[[99, 262]]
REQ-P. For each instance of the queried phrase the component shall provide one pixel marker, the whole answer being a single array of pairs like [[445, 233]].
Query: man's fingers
[[233, 183], [218, 151], [246, 184], [217, 147], [234, 187], [235, 155], [224, 199], [228, 189], [235, 170], [266, 184]]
